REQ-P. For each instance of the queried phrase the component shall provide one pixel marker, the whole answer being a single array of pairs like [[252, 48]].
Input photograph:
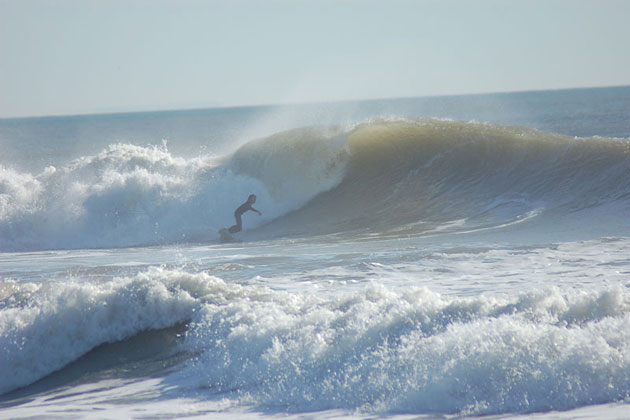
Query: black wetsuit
[[237, 215]]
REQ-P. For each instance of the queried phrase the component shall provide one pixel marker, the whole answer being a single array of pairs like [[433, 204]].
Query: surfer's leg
[[238, 226]]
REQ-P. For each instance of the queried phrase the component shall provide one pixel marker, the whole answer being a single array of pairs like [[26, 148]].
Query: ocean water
[[416, 258]]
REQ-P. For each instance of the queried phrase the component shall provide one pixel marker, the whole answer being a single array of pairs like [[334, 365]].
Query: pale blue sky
[[85, 56]]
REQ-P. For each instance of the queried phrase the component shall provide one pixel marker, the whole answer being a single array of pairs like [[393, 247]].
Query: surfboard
[[225, 236]]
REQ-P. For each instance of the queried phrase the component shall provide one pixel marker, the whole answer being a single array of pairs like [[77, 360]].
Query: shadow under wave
[[147, 354]]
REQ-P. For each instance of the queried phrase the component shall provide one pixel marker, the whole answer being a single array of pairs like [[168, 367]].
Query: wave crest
[[382, 177]]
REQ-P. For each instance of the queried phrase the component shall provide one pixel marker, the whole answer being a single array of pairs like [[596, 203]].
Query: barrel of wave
[[296, 165]]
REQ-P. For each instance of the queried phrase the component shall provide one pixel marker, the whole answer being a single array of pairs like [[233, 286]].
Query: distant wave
[[382, 177], [379, 350]]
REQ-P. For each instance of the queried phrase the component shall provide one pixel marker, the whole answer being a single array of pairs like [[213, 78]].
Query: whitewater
[[445, 257]]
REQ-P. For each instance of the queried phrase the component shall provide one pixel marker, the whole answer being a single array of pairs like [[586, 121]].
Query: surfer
[[242, 209]]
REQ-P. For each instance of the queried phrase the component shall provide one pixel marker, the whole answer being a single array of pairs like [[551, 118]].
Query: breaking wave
[[378, 350], [383, 177]]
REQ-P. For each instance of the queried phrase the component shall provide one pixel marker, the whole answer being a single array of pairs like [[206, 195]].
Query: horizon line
[[305, 103]]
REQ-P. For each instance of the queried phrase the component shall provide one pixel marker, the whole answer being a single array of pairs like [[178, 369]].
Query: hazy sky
[[83, 56]]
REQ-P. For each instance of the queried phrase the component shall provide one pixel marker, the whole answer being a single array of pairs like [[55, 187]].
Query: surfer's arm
[[253, 209]]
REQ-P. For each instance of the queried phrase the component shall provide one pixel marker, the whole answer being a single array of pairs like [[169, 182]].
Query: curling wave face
[[432, 176], [382, 177]]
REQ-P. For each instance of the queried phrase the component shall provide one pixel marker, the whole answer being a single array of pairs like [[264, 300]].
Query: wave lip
[[295, 165]]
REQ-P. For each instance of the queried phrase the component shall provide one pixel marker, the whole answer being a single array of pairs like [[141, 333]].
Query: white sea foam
[[43, 327], [18, 193], [131, 195], [379, 350], [383, 351]]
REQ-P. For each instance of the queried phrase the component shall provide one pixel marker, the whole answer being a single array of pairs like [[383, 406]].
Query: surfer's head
[[251, 198]]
